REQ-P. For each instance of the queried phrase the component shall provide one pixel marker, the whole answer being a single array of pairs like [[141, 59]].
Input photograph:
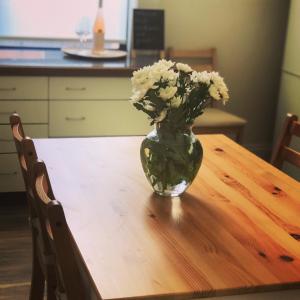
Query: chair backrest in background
[[282, 150]]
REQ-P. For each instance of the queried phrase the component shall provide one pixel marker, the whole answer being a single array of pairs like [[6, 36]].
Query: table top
[[235, 230], [46, 62]]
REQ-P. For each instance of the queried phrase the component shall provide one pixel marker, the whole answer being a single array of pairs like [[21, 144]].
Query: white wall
[[249, 37]]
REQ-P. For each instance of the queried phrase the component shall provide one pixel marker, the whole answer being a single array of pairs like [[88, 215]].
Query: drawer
[[29, 111], [11, 179], [96, 118], [83, 88], [19, 87], [7, 144]]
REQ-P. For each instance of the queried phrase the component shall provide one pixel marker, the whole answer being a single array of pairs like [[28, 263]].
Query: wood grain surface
[[236, 229]]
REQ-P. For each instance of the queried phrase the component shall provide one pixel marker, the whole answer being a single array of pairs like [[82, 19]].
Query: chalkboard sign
[[148, 29]]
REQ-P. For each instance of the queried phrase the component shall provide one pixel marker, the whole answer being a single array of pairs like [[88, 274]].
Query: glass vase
[[171, 158]]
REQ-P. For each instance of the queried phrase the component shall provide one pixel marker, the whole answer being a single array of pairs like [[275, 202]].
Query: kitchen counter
[[14, 62]]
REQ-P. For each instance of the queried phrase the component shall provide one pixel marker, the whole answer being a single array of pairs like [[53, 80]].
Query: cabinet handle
[[75, 89], [75, 119], [7, 112], [6, 140], [8, 89], [9, 174]]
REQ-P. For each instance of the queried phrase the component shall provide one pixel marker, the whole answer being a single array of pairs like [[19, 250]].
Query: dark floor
[[15, 248]]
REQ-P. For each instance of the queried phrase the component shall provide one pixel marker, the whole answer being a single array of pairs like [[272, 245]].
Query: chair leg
[[37, 287], [51, 283], [51, 291]]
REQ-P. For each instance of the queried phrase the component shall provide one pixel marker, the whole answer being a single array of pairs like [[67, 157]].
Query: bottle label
[[98, 41]]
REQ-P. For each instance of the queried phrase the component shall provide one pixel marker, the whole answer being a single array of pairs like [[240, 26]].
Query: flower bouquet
[[173, 95]]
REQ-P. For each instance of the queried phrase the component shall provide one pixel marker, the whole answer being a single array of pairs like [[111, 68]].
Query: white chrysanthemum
[[142, 79], [201, 77], [138, 95], [170, 76], [225, 96], [194, 77], [161, 116], [141, 75], [163, 76], [163, 64], [184, 68], [204, 77], [220, 86], [214, 93], [168, 92], [176, 101]]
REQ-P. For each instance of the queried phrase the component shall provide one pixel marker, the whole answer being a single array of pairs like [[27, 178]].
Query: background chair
[[70, 282], [214, 120], [42, 266], [282, 151]]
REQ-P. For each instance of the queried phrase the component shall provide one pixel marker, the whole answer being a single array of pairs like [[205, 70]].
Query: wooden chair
[[214, 120], [282, 151], [69, 274], [42, 268]]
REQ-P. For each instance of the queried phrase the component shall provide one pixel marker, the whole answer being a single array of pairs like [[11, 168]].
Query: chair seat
[[214, 117]]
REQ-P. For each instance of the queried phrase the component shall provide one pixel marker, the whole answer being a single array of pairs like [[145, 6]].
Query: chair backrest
[[282, 151], [18, 136], [27, 157], [199, 60], [52, 218]]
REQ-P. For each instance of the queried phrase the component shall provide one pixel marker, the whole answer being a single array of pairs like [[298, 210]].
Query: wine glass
[[83, 30]]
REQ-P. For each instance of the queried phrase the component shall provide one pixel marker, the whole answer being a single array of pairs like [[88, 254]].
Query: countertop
[[15, 62]]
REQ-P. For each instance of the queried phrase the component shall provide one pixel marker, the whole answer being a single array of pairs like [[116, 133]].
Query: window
[[57, 19]]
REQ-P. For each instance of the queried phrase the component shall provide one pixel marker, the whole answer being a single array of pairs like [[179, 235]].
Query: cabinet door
[[96, 118], [11, 179], [20, 87], [87, 88], [7, 144], [29, 111]]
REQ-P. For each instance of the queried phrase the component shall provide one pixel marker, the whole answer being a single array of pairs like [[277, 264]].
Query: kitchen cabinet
[[89, 106], [19, 87], [29, 97], [89, 88], [63, 107], [95, 118]]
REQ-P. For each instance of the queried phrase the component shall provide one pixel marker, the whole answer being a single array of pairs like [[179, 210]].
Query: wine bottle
[[98, 29]]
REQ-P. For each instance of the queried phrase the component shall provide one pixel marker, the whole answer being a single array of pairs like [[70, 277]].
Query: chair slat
[[295, 129], [282, 151], [291, 155], [202, 53]]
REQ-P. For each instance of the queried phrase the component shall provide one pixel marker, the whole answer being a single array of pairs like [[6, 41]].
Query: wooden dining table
[[235, 231]]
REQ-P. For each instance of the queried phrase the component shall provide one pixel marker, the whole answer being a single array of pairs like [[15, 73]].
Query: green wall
[[249, 37], [289, 96]]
